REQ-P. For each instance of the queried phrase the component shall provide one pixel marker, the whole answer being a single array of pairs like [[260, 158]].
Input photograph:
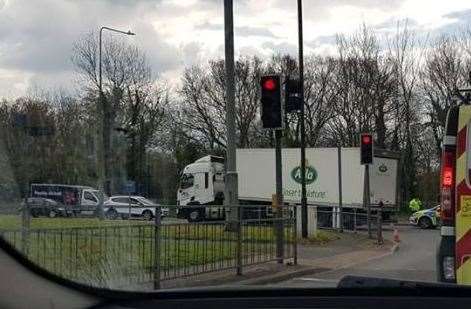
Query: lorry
[[63, 200], [202, 182]]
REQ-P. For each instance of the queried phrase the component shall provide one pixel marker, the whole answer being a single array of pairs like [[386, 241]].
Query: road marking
[[316, 280]]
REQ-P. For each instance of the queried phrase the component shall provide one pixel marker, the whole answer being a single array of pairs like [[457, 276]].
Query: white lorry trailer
[[202, 182]]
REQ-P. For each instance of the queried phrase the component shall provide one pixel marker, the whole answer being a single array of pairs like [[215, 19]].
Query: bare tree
[[443, 73], [204, 107], [364, 87], [131, 98]]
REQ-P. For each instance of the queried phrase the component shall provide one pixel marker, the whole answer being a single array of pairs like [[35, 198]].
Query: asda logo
[[383, 168], [311, 174]]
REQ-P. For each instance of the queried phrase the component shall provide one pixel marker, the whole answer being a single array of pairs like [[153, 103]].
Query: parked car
[[426, 218], [40, 206], [135, 206]]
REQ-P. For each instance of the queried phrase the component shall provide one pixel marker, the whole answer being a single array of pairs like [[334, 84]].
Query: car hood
[[423, 212]]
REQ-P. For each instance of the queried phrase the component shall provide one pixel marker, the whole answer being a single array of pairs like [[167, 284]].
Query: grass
[[112, 253], [8, 222]]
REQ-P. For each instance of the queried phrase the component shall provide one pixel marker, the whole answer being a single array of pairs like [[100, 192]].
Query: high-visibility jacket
[[415, 204]]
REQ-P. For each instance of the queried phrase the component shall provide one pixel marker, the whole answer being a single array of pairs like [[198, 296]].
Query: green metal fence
[[127, 255]]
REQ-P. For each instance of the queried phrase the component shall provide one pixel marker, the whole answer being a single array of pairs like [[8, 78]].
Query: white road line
[[316, 280]]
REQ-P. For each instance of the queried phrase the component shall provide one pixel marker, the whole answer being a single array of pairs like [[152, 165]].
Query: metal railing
[[125, 254], [351, 219]]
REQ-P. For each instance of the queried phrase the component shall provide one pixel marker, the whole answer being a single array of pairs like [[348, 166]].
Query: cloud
[[281, 48], [323, 40], [37, 37], [243, 31], [459, 15]]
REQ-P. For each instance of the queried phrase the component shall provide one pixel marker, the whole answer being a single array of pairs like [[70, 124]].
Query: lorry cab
[[202, 182], [454, 252]]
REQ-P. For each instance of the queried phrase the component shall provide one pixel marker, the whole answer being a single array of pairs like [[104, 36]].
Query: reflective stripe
[[449, 140], [447, 231]]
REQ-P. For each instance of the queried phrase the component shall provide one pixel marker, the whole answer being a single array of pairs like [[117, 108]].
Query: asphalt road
[[415, 260]]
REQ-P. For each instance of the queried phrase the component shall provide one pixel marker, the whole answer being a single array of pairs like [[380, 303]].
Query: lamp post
[[105, 134]]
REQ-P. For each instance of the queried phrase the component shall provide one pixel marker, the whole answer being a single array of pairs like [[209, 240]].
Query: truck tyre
[[195, 215], [147, 214], [425, 223], [112, 214]]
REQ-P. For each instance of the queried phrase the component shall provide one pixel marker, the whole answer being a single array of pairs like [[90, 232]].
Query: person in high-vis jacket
[[415, 204]]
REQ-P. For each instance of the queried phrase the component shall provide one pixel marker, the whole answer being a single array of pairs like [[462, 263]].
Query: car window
[[89, 197], [135, 202], [145, 201], [120, 200]]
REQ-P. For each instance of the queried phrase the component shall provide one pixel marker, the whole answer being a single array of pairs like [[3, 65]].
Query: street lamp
[[105, 135], [99, 55]]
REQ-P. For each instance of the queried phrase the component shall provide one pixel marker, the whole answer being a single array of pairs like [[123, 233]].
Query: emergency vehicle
[[454, 252], [426, 218]]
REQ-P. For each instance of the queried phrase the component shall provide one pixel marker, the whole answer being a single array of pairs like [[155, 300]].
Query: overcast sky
[[36, 36]]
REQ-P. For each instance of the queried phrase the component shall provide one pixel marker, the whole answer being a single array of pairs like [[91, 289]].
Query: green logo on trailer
[[311, 174], [383, 168]]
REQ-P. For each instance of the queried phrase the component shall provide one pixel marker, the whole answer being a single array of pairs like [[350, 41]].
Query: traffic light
[[292, 96], [366, 148], [271, 102]]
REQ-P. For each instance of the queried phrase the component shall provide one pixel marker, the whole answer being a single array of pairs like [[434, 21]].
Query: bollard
[[380, 223], [354, 220]]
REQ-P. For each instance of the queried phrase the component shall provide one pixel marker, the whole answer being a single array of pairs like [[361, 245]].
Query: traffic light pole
[[366, 198], [279, 197], [230, 193], [301, 116]]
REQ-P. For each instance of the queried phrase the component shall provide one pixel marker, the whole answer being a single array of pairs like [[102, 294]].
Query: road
[[415, 260]]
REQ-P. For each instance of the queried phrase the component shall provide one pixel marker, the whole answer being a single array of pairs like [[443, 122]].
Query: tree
[[132, 101], [203, 102]]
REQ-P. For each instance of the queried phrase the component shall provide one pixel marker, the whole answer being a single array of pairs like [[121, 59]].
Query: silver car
[[132, 206]]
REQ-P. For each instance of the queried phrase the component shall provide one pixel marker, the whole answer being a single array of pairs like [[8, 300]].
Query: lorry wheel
[[112, 214], [425, 223], [195, 215], [147, 214]]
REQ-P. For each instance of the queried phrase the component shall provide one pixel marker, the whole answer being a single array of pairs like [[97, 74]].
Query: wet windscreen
[[135, 156]]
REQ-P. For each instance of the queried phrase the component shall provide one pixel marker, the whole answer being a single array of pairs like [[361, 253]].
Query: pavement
[[414, 260], [349, 250]]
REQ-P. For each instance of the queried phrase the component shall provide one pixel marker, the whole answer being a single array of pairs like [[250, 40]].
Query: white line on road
[[316, 279]]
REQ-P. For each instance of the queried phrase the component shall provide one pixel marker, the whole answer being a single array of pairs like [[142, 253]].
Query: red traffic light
[[269, 84], [366, 139]]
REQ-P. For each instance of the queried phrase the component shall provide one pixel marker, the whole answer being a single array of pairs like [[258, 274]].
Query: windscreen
[[220, 161], [187, 181]]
